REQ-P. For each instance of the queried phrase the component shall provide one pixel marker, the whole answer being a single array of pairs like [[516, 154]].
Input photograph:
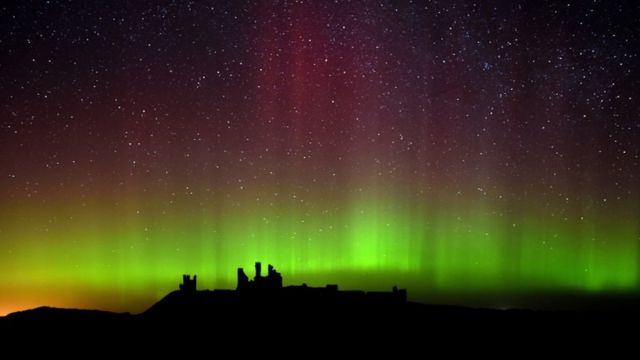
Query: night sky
[[464, 150]]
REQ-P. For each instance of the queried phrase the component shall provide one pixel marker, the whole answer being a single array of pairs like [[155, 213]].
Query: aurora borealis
[[459, 149]]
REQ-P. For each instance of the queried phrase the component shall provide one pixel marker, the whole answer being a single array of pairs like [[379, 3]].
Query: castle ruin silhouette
[[270, 286]]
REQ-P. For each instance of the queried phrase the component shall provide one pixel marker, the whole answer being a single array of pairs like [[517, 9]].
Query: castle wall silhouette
[[271, 285]]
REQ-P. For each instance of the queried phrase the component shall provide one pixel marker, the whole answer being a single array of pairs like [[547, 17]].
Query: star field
[[460, 149]]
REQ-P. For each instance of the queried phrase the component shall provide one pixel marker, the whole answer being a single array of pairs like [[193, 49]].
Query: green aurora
[[476, 153], [126, 256]]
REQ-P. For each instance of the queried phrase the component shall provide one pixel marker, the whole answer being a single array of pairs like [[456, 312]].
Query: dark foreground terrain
[[245, 322]]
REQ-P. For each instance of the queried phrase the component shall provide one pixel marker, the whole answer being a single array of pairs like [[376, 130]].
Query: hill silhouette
[[264, 306], [47, 313]]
